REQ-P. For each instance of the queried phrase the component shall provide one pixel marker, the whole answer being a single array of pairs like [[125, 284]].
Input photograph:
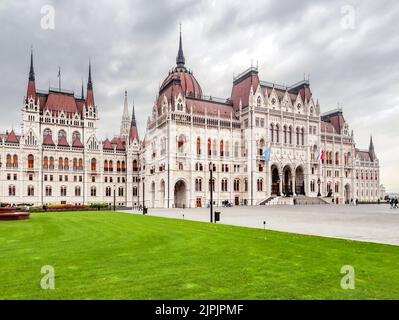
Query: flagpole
[[59, 78]]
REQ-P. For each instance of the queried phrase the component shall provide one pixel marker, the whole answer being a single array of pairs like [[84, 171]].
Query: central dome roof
[[185, 80], [180, 79]]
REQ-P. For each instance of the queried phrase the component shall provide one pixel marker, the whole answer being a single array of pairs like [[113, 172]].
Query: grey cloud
[[133, 44]]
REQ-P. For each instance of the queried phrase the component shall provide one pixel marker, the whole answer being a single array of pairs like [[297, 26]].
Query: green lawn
[[119, 256]]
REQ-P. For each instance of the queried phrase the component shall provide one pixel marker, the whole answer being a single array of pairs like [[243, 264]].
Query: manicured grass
[[105, 255]]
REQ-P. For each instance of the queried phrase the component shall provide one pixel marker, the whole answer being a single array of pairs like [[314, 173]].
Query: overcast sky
[[350, 49]]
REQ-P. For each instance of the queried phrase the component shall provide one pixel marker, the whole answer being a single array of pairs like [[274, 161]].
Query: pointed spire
[[133, 122], [90, 95], [31, 70], [31, 92], [180, 60], [371, 149], [82, 94], [89, 82]]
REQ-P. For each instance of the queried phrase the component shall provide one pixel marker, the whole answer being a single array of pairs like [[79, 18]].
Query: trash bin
[[145, 210], [217, 216]]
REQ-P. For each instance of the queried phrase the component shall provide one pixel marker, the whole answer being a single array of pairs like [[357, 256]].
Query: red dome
[[184, 80]]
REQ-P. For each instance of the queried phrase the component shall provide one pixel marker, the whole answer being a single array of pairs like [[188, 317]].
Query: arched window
[[93, 191], [77, 191], [198, 146], [93, 164], [31, 191], [246, 185], [49, 191], [285, 134], [118, 166], [180, 144], [277, 133], [260, 184], [75, 135], [224, 185], [123, 166], [212, 185], [47, 132], [237, 185], [337, 158], [198, 184], [80, 164], [66, 164], [108, 191], [60, 163], [15, 161], [134, 191], [303, 136], [214, 147], [209, 147], [290, 134], [297, 137], [63, 191], [259, 102], [135, 165], [11, 191], [106, 165], [9, 161], [221, 148], [45, 163], [61, 134], [52, 163], [31, 161], [120, 191], [75, 164], [110, 166], [272, 132], [337, 187]]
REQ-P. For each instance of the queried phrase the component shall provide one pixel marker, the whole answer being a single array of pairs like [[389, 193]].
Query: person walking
[[396, 203], [391, 203]]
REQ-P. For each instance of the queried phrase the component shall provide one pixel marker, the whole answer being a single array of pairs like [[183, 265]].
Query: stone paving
[[369, 223]]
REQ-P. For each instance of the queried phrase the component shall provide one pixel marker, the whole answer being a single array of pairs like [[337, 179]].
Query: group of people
[[354, 202], [394, 203]]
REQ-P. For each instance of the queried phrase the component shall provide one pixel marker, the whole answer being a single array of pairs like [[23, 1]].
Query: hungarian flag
[[320, 156], [268, 153]]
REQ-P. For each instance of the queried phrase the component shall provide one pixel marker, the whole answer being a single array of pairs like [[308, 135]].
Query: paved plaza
[[370, 223]]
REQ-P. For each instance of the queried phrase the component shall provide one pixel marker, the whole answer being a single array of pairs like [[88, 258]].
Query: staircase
[[278, 201], [304, 200]]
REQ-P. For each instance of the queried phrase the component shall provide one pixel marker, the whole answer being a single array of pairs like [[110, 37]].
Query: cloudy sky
[[350, 49]]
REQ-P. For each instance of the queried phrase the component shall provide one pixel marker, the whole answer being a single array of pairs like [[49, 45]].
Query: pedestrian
[[391, 203], [396, 203], [357, 202]]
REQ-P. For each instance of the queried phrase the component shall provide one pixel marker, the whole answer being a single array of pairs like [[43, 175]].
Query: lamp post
[[318, 183], [114, 197], [211, 189]]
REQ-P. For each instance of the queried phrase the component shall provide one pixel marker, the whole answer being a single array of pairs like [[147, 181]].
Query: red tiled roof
[[133, 134], [63, 142], [31, 90], [327, 127], [59, 101], [12, 137], [185, 80], [77, 143], [210, 108], [107, 145], [48, 141], [242, 89], [363, 155]]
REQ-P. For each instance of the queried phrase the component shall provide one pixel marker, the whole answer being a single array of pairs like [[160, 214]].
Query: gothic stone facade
[[59, 158]]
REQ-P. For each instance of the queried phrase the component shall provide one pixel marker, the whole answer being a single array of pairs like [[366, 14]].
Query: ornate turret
[[125, 126]]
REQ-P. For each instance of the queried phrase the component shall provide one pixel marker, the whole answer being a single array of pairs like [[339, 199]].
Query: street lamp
[[319, 183], [114, 197], [211, 189]]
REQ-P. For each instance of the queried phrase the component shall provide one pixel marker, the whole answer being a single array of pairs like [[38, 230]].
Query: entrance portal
[[180, 194], [299, 181], [275, 181]]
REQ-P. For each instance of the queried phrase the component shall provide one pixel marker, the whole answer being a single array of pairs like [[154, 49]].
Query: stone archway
[[287, 181], [299, 181], [275, 181], [162, 195], [347, 191], [180, 194]]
